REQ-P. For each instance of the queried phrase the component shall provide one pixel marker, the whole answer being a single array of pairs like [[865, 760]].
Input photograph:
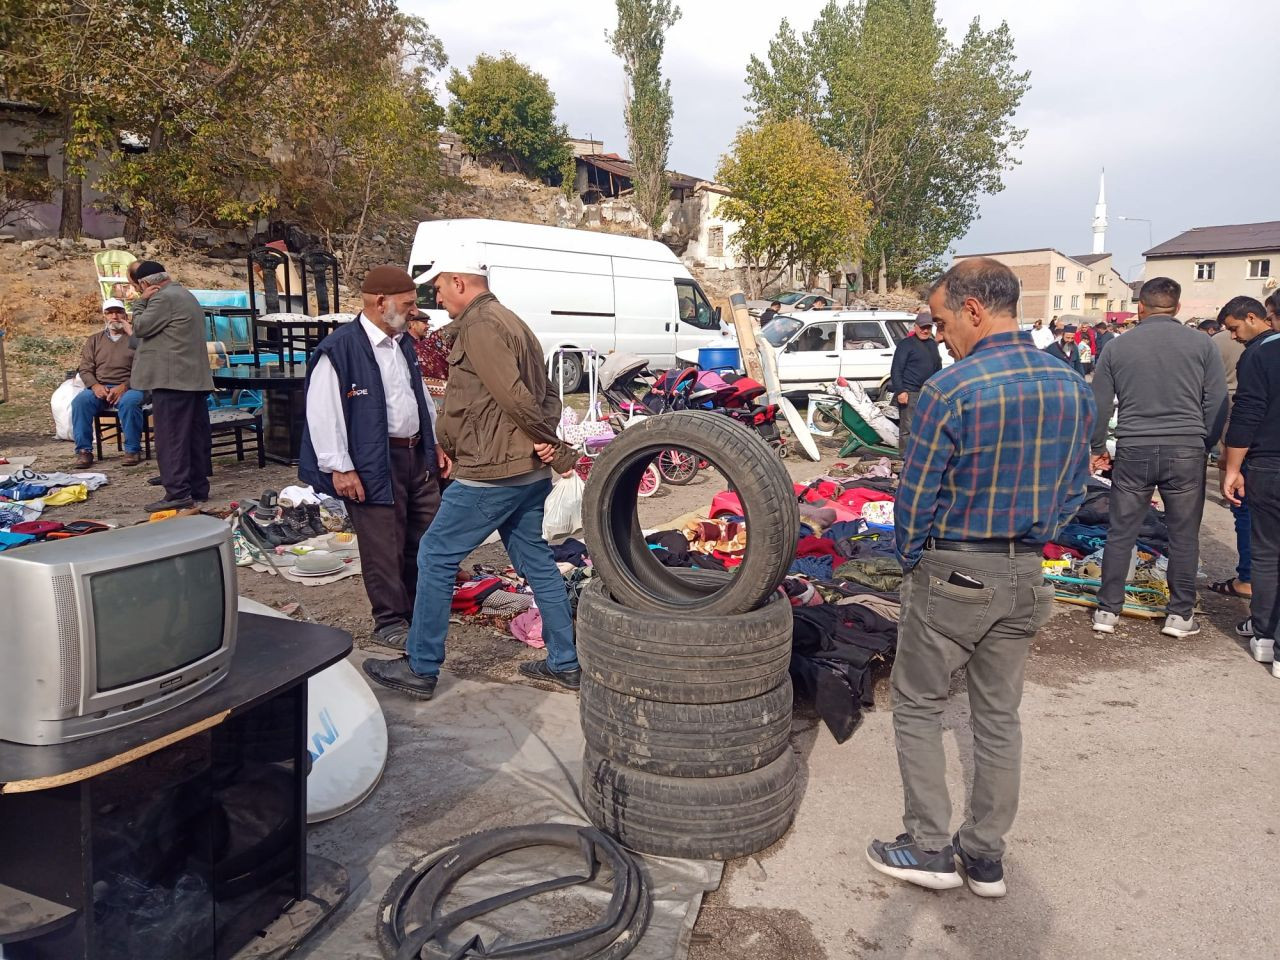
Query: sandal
[[1228, 589]]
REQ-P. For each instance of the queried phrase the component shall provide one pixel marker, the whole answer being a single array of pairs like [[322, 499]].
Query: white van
[[579, 290]]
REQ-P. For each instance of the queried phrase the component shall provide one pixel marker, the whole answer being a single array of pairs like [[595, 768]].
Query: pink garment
[[527, 628]]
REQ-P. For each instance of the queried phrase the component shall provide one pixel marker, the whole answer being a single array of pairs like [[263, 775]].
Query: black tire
[[573, 371], [687, 740], [687, 660], [678, 467], [622, 558], [716, 818]]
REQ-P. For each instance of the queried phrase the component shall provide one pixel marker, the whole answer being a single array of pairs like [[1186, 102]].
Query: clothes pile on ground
[[25, 495], [1073, 561]]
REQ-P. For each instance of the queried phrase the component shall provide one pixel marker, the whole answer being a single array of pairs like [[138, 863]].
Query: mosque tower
[[1100, 216]]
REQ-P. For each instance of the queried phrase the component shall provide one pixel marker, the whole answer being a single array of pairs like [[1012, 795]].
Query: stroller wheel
[[650, 481], [782, 450], [677, 466]]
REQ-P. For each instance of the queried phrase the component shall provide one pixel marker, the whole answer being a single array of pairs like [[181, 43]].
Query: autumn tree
[[794, 199], [639, 41], [503, 109], [926, 125]]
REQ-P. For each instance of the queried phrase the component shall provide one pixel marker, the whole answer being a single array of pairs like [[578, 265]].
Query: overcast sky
[[1176, 98]]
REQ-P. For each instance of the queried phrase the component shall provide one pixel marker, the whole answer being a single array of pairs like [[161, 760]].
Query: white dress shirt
[[325, 420]]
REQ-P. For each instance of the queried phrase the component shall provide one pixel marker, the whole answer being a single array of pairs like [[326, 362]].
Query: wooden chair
[[106, 426], [229, 427]]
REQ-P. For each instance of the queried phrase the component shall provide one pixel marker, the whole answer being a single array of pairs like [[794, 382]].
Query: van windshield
[[780, 329]]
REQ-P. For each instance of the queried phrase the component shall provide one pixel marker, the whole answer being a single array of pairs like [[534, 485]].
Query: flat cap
[[146, 268], [387, 280]]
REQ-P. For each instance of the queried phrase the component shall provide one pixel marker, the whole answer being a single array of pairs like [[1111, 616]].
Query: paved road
[[1148, 825]]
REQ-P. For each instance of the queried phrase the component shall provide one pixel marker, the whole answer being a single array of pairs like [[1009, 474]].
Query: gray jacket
[[1167, 381], [170, 336]]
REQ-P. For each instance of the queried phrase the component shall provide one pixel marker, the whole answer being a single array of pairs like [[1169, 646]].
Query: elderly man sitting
[[106, 362]]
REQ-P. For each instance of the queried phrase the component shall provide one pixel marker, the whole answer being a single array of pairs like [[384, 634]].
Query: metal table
[[284, 411]]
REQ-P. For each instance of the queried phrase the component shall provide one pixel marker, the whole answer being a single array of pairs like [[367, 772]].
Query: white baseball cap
[[112, 303], [463, 258]]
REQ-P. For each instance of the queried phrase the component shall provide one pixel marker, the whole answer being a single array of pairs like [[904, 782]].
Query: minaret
[[1100, 216]]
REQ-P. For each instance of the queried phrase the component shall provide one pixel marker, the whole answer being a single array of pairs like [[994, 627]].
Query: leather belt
[[1009, 547], [405, 441]]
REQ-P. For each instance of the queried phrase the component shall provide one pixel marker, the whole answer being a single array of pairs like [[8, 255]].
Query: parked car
[[815, 348], [579, 290], [791, 301]]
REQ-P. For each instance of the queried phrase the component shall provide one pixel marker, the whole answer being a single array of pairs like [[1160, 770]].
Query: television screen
[[153, 618]]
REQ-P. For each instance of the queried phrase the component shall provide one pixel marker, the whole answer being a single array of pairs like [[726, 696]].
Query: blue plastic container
[[719, 359]]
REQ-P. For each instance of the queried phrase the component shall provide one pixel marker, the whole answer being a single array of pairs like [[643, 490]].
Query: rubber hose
[[430, 879]]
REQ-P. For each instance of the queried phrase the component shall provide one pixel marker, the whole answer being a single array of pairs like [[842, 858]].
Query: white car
[[816, 347]]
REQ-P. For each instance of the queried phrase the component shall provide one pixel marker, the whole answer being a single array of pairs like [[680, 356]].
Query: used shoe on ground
[[903, 859], [985, 877], [185, 503], [398, 675], [392, 634], [1180, 627], [1104, 622], [130, 459], [155, 481], [1245, 628], [540, 670], [83, 459]]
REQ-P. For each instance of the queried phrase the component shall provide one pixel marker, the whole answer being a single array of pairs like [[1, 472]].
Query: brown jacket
[[499, 401]]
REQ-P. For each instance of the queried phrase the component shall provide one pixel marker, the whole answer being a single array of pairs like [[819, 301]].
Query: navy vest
[[364, 407]]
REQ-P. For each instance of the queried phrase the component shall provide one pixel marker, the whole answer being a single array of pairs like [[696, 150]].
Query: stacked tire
[[686, 700]]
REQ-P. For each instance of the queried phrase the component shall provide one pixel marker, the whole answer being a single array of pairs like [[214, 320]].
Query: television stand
[[182, 835]]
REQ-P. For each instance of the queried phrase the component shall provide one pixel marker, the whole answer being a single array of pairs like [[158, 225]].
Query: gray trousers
[[1179, 473], [989, 631], [905, 416]]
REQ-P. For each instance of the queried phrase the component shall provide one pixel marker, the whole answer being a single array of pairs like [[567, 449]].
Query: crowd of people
[[997, 449]]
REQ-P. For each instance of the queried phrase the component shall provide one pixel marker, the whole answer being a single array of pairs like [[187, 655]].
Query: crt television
[[104, 630]]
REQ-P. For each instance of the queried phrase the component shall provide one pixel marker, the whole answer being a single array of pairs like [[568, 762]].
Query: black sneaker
[[539, 670], [392, 634], [986, 877], [398, 675], [903, 860], [183, 503], [1245, 628]]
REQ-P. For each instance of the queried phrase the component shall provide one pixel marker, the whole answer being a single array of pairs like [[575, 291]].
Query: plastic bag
[[562, 510], [60, 403]]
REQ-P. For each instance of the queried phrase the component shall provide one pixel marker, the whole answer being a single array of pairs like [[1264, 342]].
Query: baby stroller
[[629, 386], [592, 433]]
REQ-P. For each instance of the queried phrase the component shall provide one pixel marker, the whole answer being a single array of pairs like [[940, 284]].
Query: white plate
[[318, 573]]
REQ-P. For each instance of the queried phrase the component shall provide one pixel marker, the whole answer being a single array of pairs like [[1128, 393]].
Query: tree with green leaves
[[639, 41], [504, 110], [926, 125], [794, 200]]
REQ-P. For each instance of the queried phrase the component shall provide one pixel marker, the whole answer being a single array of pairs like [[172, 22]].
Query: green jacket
[[168, 329], [499, 401]]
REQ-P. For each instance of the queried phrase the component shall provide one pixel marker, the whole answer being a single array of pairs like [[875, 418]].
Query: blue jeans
[[86, 406], [466, 517]]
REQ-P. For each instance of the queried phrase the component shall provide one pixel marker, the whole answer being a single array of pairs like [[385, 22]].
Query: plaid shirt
[[999, 449]]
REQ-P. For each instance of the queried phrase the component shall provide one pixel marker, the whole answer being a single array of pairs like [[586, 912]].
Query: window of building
[[715, 241], [1111, 305], [1079, 276], [1057, 301], [27, 175], [1204, 271], [1062, 275], [1075, 303], [1259, 269]]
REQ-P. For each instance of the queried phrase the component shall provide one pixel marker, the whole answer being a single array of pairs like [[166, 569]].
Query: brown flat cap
[[387, 280]]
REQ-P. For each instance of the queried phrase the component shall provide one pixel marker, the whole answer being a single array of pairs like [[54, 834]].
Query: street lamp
[[1150, 244]]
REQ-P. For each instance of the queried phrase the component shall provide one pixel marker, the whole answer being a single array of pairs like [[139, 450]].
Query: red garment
[[433, 355], [826, 489], [817, 547], [1055, 551], [855, 498]]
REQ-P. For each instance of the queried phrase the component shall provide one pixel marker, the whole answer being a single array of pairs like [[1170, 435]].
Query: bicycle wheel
[[677, 466], [650, 481]]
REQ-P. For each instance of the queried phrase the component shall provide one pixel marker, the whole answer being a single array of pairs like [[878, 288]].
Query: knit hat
[[146, 268], [386, 281]]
